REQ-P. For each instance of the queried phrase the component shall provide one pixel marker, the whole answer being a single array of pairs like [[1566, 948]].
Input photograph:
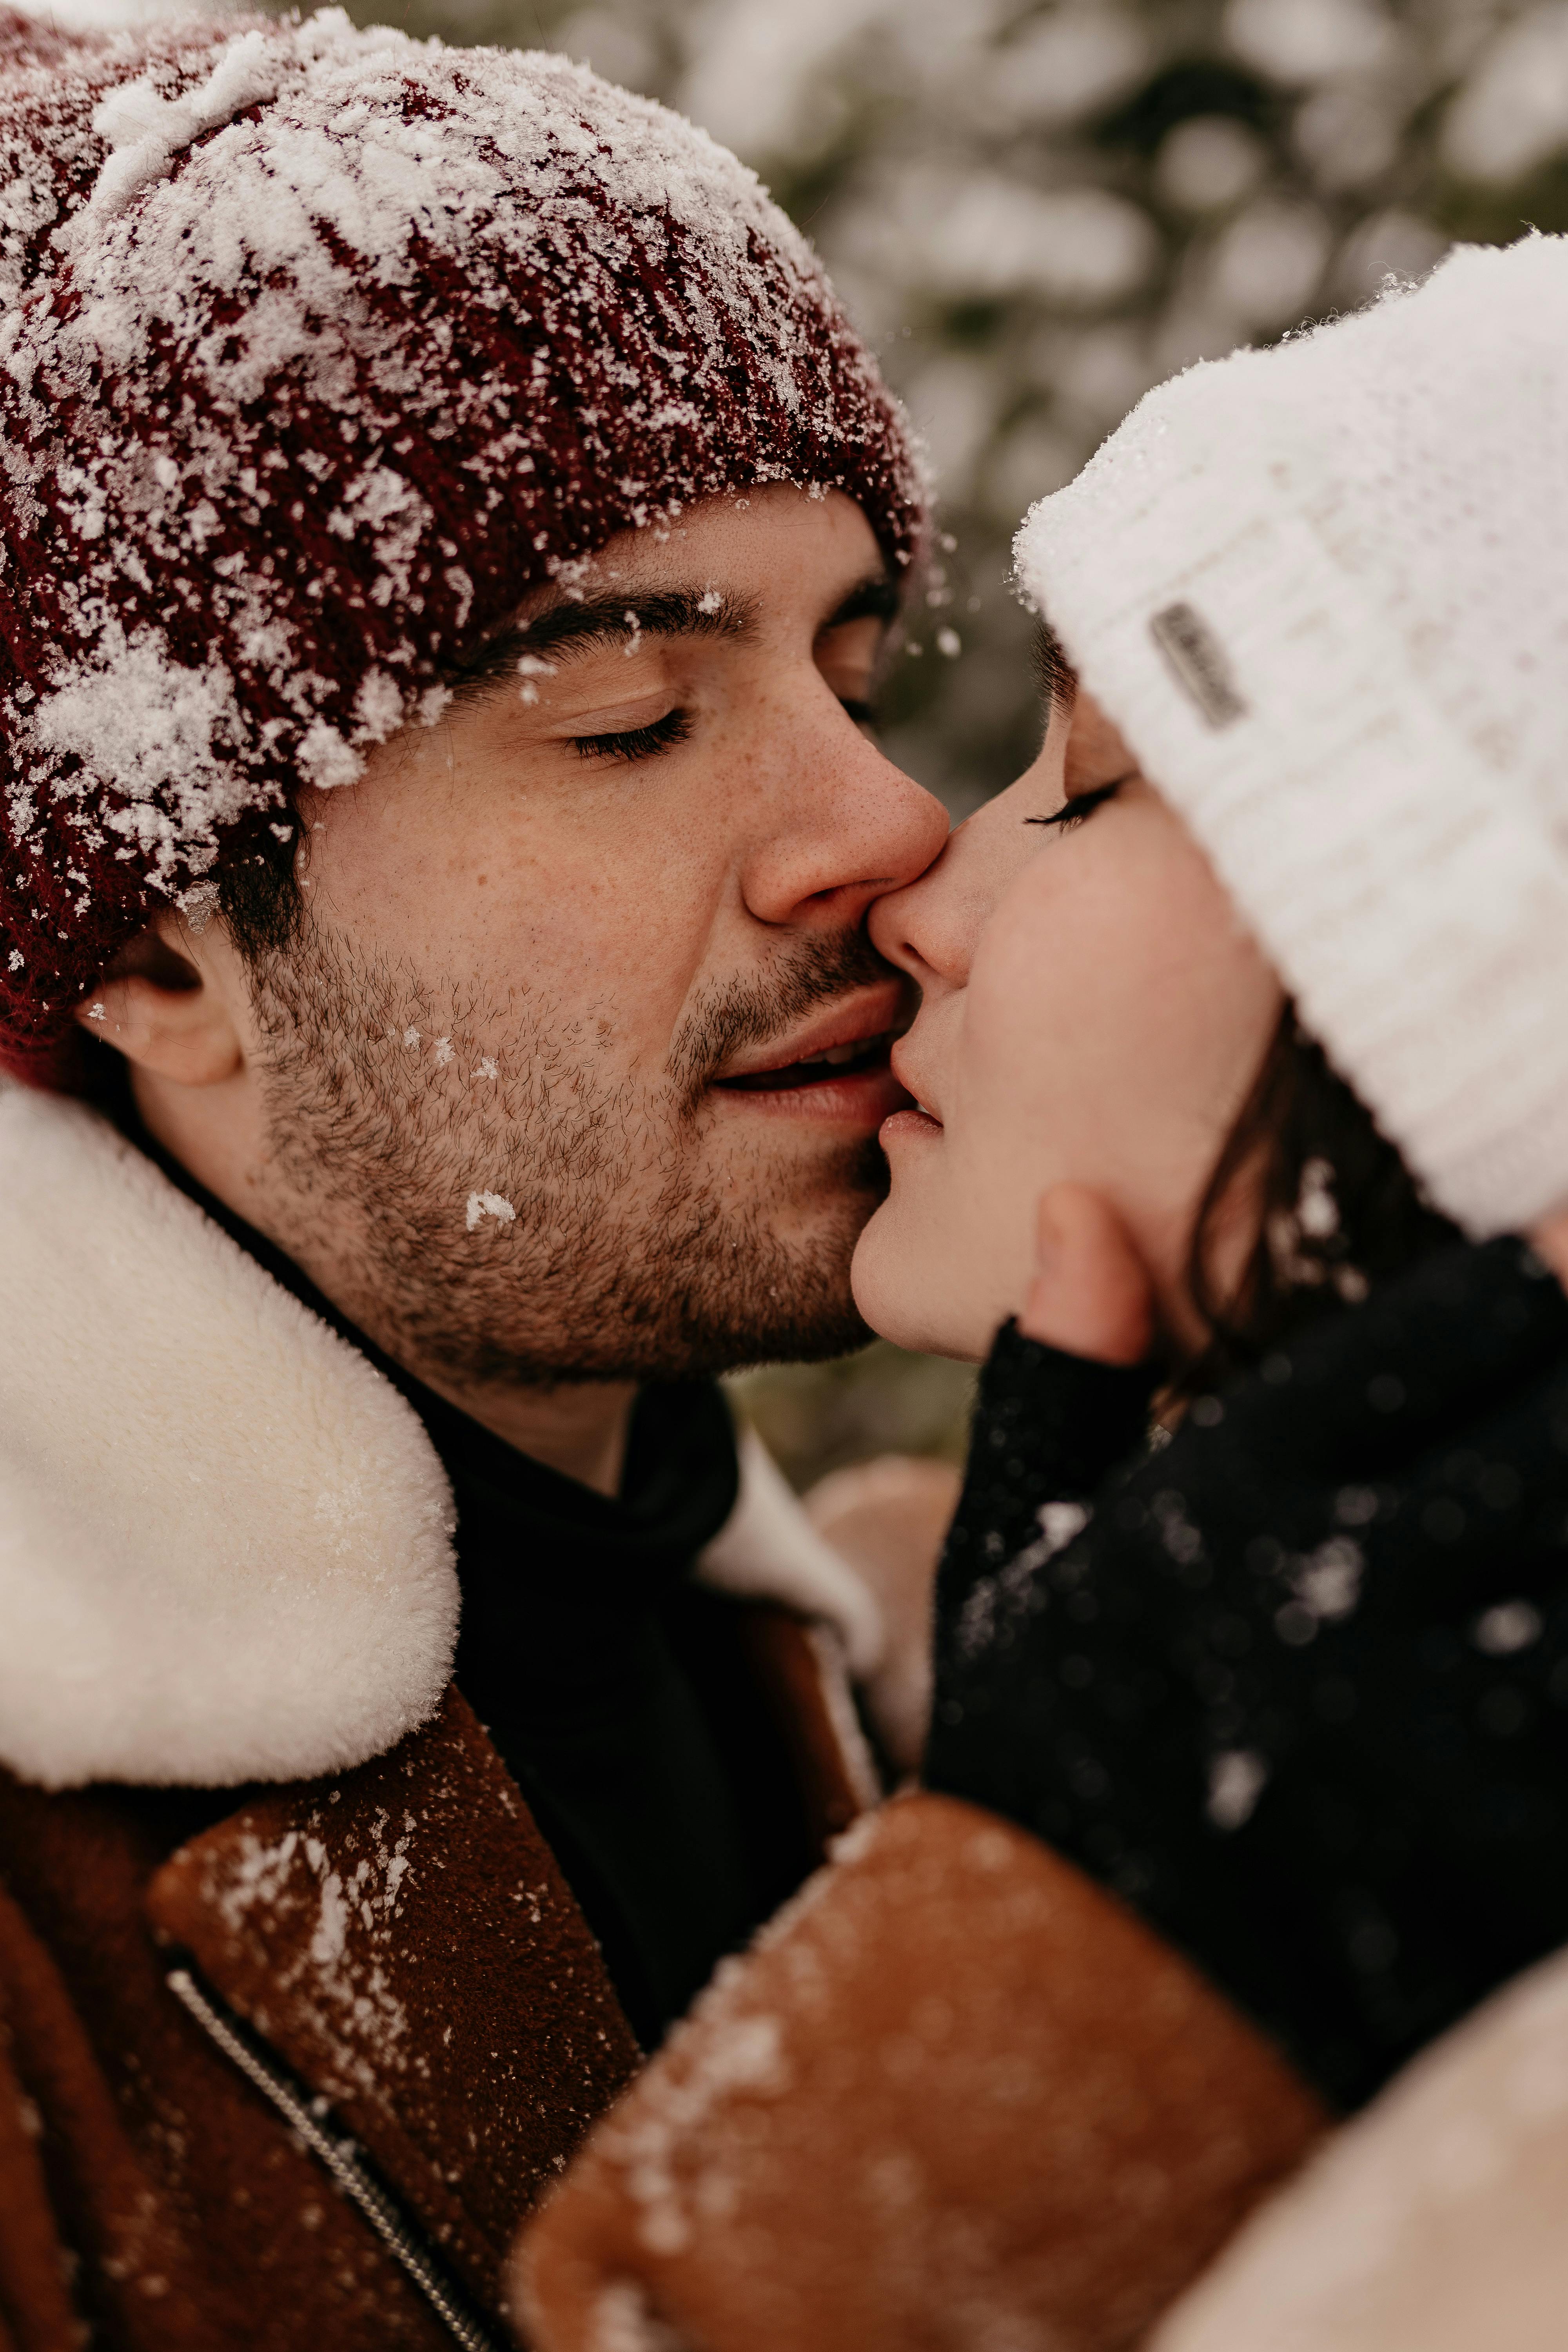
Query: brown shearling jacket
[[297, 2016]]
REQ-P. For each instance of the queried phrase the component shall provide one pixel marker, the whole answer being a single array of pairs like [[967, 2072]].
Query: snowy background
[[1035, 212]]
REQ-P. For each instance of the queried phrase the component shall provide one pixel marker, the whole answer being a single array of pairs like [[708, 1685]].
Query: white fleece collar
[[224, 1539]]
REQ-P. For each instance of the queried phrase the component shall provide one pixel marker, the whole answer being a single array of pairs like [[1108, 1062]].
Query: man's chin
[[809, 1323], [703, 1280], [806, 1339], [768, 1286], [790, 1303]]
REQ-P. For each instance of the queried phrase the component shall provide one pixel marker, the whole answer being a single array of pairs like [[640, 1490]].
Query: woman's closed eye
[[1077, 805]]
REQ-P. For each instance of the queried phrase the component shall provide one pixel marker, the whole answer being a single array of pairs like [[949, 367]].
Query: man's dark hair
[[259, 892]]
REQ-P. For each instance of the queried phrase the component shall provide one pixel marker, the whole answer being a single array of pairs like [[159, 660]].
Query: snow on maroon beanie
[[319, 347]]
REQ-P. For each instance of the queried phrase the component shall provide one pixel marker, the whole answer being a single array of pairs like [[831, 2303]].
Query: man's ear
[[163, 1004]]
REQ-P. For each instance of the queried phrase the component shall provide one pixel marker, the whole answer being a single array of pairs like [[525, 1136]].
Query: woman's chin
[[891, 1275]]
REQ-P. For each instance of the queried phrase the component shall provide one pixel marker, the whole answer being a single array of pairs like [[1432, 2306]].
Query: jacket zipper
[[343, 2161]]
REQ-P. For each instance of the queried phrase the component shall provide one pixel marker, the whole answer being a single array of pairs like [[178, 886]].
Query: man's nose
[[842, 826]]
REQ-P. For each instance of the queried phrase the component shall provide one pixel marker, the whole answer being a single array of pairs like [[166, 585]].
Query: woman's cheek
[[999, 1167], [1016, 1082]]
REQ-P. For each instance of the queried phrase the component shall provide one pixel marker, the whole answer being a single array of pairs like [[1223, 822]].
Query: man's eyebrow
[[877, 597], [576, 624]]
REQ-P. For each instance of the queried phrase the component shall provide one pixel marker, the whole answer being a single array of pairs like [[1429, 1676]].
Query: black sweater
[[619, 1691], [1294, 1681]]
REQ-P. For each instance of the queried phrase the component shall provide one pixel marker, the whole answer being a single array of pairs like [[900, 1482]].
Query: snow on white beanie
[[1324, 591], [318, 347]]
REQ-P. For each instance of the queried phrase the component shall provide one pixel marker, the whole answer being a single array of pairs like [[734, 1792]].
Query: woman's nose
[[930, 928], [894, 921]]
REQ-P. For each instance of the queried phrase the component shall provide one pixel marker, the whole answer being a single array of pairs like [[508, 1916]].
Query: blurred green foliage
[[822, 1417]]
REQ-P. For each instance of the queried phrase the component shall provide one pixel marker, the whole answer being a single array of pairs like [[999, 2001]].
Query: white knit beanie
[[1324, 591]]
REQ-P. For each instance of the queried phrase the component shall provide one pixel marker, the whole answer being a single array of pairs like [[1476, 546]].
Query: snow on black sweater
[[1294, 1683]]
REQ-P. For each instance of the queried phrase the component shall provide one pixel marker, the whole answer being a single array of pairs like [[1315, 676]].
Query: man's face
[[543, 1084]]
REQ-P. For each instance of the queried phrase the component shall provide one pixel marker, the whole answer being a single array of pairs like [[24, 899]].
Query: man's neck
[[577, 1427]]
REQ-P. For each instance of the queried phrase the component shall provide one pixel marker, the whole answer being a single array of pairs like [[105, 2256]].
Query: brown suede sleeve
[[791, 1664], [956, 2095]]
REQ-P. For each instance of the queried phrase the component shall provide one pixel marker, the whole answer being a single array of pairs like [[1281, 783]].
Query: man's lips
[[812, 1070], [870, 1017], [833, 1067]]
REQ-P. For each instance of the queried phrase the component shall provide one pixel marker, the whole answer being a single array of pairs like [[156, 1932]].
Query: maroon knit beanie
[[318, 348]]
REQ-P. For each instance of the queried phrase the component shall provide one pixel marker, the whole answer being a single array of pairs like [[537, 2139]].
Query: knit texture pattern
[[1294, 1684], [319, 348], [1321, 590]]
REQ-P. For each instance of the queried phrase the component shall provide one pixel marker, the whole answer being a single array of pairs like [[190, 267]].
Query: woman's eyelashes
[[1081, 804], [634, 742]]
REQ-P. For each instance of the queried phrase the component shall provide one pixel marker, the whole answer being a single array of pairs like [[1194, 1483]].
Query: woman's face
[[1092, 1012]]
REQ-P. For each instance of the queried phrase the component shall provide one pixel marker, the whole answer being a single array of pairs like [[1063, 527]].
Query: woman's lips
[[915, 1118], [905, 1126]]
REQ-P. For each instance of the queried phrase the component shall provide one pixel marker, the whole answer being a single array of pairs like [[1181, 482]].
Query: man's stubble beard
[[624, 1258]]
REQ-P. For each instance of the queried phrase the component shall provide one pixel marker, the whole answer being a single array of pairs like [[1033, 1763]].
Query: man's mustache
[[745, 1013]]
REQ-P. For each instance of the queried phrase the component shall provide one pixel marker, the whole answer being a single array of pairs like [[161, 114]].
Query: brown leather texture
[[172, 2209], [956, 2096], [794, 1667], [404, 1941], [400, 1938]]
